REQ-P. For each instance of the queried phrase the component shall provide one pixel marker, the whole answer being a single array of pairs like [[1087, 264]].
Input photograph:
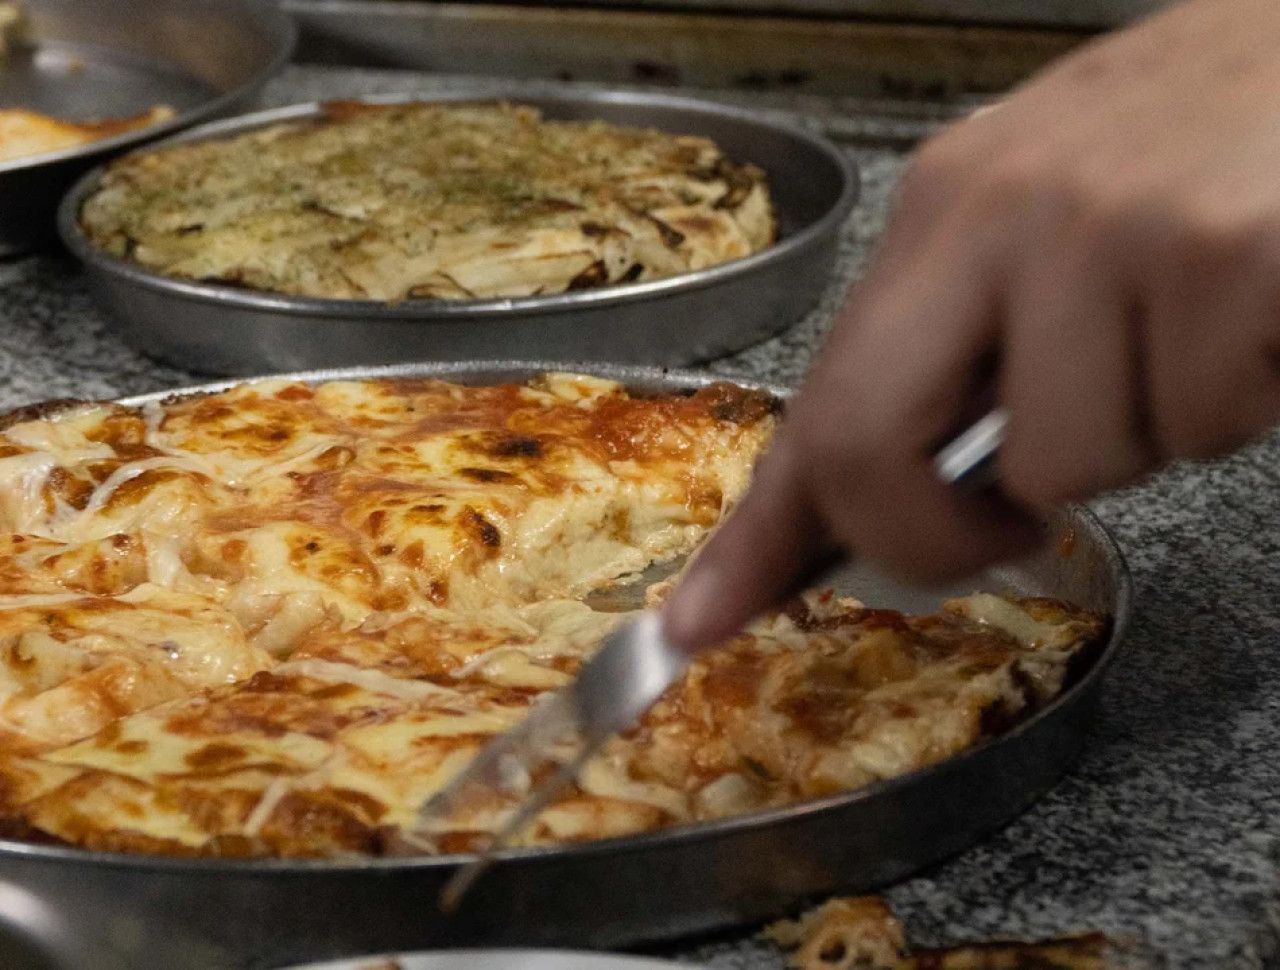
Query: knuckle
[[1212, 241], [1096, 211], [1251, 246], [917, 568], [1029, 191], [1102, 214], [1021, 176], [1204, 241], [925, 567], [922, 557]]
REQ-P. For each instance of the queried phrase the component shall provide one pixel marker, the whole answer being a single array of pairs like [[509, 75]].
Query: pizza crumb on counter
[[842, 933], [863, 933]]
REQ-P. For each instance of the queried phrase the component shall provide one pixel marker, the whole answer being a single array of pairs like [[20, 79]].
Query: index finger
[[766, 546]]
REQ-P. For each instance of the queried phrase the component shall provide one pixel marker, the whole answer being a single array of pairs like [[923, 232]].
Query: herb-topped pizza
[[450, 201]]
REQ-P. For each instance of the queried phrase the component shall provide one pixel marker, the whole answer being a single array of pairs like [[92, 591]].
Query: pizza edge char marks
[[427, 200], [272, 620]]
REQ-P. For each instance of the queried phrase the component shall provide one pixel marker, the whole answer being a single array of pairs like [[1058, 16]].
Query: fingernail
[[689, 613]]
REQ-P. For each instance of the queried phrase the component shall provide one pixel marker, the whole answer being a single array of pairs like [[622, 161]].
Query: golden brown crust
[[842, 934], [41, 409]]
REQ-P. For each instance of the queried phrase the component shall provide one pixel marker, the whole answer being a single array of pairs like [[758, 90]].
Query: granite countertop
[[1167, 828]]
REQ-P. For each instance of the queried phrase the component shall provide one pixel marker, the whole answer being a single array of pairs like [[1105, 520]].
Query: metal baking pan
[[220, 329], [204, 58], [99, 911]]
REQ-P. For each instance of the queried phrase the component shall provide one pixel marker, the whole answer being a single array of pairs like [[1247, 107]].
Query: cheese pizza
[[273, 620]]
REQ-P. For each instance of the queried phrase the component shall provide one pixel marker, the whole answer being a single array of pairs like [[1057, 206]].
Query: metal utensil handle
[[968, 461]]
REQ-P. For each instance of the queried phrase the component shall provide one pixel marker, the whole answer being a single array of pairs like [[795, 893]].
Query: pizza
[[24, 133], [429, 200], [273, 620]]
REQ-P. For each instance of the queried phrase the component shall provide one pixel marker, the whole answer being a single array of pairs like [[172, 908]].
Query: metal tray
[[99, 911], [205, 58], [220, 329]]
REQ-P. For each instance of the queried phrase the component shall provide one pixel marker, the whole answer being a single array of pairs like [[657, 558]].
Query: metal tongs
[[540, 757]]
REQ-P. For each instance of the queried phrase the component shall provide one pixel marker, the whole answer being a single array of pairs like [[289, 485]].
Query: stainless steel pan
[[204, 58], [95, 911], [219, 329]]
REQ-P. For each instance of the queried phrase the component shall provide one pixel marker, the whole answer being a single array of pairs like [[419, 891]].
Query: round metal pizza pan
[[204, 58], [495, 960], [220, 329], [100, 911]]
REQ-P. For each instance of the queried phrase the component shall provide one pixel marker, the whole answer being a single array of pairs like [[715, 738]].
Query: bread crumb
[[862, 933], [842, 934]]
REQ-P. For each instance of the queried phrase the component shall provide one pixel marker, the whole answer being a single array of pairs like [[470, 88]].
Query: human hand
[[1105, 248]]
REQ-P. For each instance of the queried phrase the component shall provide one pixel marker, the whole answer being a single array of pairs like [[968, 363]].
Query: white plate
[[496, 960]]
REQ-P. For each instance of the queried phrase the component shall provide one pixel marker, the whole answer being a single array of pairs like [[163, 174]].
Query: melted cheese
[[70, 665], [274, 514], [998, 612], [276, 619]]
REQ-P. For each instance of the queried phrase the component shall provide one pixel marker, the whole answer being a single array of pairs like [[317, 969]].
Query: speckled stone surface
[[1166, 830]]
